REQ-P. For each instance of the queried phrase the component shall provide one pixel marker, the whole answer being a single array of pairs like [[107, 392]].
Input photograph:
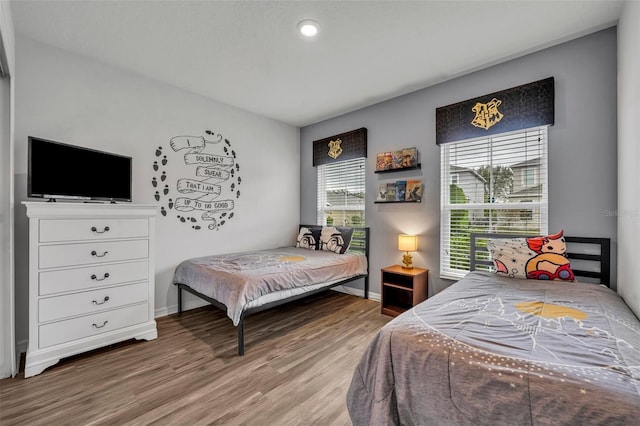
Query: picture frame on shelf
[[409, 157], [401, 190], [380, 158], [397, 160], [384, 161], [414, 190], [391, 192], [381, 195], [398, 192]]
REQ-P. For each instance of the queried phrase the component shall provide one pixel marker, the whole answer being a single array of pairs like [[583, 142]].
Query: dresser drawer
[[91, 325], [63, 280], [95, 252], [53, 308], [53, 230]]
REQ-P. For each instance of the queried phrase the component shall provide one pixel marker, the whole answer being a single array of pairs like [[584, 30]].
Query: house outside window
[[341, 193], [500, 187], [528, 177]]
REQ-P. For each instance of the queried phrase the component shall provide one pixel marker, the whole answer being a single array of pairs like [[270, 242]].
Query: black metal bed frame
[[602, 259], [359, 243]]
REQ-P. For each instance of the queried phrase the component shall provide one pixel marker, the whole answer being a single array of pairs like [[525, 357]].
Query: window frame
[[500, 209], [356, 166], [528, 177]]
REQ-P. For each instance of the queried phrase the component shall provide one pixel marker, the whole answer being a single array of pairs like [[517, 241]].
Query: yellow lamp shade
[[407, 242]]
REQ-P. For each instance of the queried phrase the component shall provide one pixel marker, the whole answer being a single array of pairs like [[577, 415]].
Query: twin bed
[[490, 349], [493, 349], [245, 283]]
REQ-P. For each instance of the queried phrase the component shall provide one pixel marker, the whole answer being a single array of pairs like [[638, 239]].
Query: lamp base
[[408, 261]]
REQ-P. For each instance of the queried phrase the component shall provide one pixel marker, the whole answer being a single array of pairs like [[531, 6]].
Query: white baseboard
[[186, 305], [356, 292], [193, 304]]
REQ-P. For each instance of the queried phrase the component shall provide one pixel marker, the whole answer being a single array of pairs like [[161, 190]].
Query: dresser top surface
[[43, 209]]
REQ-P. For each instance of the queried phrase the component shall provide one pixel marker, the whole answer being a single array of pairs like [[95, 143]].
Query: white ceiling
[[248, 54]]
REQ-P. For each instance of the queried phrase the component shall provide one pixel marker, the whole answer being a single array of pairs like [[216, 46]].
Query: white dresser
[[91, 278]]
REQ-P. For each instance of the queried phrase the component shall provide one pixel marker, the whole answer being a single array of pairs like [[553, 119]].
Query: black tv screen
[[61, 171]]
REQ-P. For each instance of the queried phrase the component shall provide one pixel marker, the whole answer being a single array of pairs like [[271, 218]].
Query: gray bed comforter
[[239, 278], [500, 351]]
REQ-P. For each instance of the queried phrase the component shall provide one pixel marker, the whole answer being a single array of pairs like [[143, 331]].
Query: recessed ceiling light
[[308, 28]]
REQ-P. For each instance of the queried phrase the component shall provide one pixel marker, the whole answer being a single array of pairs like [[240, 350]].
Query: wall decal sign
[[517, 108], [205, 199]]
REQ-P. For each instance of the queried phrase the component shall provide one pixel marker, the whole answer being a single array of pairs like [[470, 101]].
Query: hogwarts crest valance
[[342, 147], [512, 109]]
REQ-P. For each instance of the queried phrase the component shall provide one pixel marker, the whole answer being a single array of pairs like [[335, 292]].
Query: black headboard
[[359, 244], [359, 239], [592, 256]]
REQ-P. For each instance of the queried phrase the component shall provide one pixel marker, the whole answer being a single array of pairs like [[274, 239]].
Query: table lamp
[[407, 243]]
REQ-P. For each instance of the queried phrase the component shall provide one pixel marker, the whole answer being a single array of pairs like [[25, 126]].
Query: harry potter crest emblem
[[335, 149], [487, 115]]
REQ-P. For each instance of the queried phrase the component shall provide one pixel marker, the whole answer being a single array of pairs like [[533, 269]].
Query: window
[[341, 193], [529, 176], [501, 187]]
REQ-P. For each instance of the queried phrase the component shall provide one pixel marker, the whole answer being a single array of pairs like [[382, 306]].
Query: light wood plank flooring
[[297, 368]]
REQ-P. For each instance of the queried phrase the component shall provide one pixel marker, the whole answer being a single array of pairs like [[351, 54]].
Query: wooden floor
[[298, 365]]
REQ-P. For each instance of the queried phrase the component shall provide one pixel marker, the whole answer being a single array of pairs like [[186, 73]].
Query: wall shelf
[[400, 169], [398, 201]]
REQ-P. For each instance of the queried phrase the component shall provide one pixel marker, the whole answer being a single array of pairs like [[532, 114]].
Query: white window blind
[[341, 190], [496, 184]]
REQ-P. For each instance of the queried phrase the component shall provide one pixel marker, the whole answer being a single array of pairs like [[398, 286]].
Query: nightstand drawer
[[70, 305], [54, 230], [96, 252], [91, 325], [60, 281]]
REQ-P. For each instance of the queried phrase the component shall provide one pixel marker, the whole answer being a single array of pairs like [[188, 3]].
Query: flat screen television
[[60, 171]]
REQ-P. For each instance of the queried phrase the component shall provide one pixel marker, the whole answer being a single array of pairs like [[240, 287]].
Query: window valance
[[521, 107], [342, 147]]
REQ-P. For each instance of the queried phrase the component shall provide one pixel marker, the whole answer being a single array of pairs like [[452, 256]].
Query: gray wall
[[629, 155], [8, 364], [71, 98], [582, 149]]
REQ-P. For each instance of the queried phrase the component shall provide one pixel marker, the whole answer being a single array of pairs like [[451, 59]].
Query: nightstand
[[402, 288]]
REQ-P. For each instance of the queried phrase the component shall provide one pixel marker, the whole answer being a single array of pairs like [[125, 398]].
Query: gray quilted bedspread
[[498, 351], [239, 278]]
